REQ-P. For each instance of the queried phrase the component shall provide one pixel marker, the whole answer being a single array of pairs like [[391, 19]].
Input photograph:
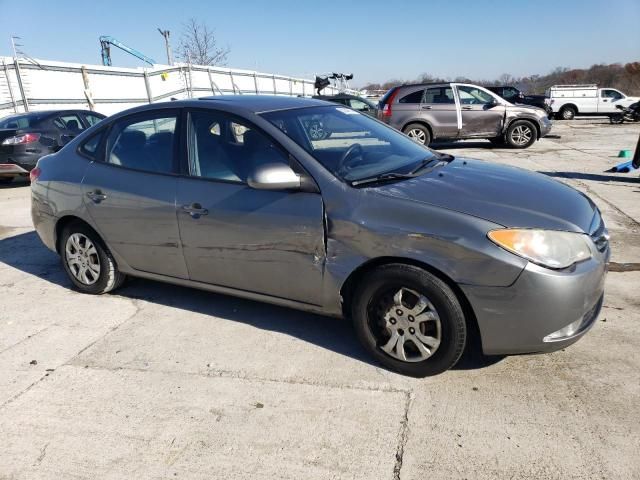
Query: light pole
[[165, 34]]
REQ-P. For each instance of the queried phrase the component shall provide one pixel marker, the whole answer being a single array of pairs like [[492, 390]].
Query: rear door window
[[92, 119], [69, 122], [439, 95], [146, 142]]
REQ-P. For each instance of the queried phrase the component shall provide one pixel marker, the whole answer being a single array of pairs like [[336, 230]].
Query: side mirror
[[274, 176]]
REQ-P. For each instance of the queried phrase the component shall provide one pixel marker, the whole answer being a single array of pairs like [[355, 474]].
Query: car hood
[[508, 196]]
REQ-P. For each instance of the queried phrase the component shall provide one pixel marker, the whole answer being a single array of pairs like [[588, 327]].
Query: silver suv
[[456, 111]]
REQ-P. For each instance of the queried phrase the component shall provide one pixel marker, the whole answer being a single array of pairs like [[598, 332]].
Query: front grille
[[599, 233]]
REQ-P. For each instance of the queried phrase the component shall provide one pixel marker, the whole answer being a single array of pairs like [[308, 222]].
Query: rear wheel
[[418, 133], [568, 113], [521, 134], [88, 263], [409, 320], [616, 118]]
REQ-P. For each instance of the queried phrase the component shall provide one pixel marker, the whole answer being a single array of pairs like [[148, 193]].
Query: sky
[[374, 40]]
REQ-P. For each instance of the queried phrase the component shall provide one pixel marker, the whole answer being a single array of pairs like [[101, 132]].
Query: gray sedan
[[419, 249]]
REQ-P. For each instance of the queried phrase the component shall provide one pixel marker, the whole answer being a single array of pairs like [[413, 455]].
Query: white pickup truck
[[567, 101]]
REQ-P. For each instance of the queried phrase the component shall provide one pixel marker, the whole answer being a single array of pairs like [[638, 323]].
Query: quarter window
[[92, 119], [144, 143], [90, 147], [223, 148], [359, 105], [414, 97], [439, 95]]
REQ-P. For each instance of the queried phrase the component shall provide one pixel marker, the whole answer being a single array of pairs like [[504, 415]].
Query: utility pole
[[165, 34]]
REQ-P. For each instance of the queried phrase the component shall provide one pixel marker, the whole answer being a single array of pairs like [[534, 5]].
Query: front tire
[[418, 133], [521, 134], [87, 261], [409, 320], [568, 113]]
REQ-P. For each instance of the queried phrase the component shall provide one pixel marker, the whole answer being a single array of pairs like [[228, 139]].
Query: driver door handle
[[426, 107], [96, 196], [467, 107], [195, 210]]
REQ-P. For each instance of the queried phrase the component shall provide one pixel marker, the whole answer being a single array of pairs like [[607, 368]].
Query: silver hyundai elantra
[[315, 206]]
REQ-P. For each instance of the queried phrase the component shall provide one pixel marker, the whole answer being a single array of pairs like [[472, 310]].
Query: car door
[[609, 98], [69, 125], [130, 194], [480, 115], [268, 242], [407, 106], [438, 107]]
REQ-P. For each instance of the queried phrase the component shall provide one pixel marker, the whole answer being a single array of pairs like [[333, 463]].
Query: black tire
[[521, 134], [418, 133], [497, 141], [567, 113], [5, 180], [369, 322], [616, 118], [109, 277]]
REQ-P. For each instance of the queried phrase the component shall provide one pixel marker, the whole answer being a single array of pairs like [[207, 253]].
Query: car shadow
[[453, 145], [25, 252], [596, 177]]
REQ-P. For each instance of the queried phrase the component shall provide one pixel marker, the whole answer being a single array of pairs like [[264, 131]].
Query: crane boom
[[105, 44]]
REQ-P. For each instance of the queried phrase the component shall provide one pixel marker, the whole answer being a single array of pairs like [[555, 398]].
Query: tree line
[[616, 75]]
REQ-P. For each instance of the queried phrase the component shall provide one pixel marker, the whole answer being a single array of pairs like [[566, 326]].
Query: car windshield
[[20, 121], [351, 145]]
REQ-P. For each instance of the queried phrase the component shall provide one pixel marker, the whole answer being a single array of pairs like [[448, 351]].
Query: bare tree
[[199, 46]]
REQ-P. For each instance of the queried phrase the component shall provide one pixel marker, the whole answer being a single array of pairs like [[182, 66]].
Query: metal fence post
[[190, 82], [304, 93], [275, 90], [255, 82], [233, 84], [25, 103], [147, 86], [87, 90], [13, 99]]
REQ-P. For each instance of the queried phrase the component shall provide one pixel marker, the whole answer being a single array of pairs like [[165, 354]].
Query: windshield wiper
[[389, 176], [440, 158]]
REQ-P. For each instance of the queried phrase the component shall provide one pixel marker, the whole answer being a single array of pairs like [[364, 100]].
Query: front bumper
[[545, 126], [517, 319]]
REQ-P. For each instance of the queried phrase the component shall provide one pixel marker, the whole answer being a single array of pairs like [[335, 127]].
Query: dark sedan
[[360, 104], [26, 137]]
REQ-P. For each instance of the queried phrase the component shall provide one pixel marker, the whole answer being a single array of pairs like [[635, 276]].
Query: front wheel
[[88, 263], [616, 118], [568, 113], [521, 134], [418, 133], [409, 320]]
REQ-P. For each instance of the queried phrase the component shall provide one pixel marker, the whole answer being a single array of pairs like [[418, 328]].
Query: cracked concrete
[[158, 381]]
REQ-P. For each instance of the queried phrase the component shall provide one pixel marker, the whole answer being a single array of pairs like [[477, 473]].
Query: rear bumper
[[14, 164], [517, 319]]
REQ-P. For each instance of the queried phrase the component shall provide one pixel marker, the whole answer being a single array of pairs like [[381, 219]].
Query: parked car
[[360, 104], [455, 111], [418, 248], [25, 137], [515, 96], [567, 101]]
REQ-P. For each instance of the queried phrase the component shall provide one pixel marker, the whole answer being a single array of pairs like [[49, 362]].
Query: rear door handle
[[195, 210], [467, 107], [96, 196], [426, 107]]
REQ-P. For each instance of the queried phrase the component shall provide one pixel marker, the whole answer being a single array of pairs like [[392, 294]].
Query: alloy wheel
[[407, 325], [521, 135], [417, 135], [82, 258]]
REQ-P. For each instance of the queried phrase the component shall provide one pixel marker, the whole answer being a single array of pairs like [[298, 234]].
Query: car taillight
[[34, 174], [22, 139], [386, 109]]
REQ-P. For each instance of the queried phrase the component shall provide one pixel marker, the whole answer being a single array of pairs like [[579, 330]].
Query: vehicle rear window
[[20, 121]]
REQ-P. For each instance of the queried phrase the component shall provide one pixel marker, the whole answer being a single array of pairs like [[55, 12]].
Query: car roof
[[47, 113], [265, 103]]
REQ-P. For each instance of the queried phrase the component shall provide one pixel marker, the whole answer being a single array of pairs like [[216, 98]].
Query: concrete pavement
[[158, 381]]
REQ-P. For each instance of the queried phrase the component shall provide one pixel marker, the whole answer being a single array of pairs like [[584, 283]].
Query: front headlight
[[549, 248]]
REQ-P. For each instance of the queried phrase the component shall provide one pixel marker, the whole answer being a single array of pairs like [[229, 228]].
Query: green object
[[624, 154]]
